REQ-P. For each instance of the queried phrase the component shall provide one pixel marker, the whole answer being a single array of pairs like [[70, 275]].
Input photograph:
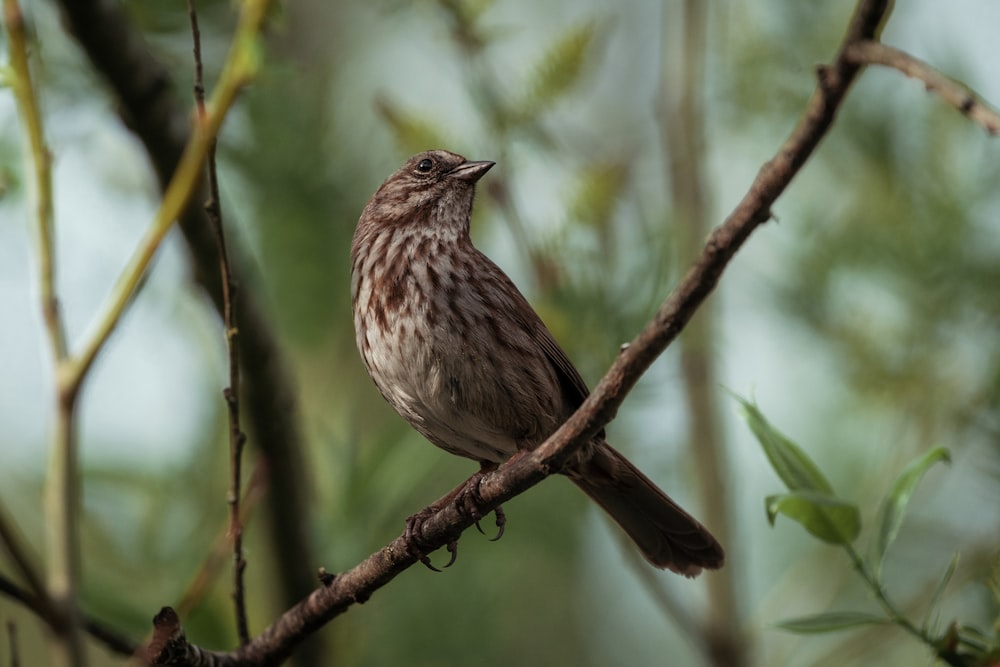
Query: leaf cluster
[[812, 502]]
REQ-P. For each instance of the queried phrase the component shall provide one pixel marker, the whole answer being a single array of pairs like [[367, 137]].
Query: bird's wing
[[574, 388]]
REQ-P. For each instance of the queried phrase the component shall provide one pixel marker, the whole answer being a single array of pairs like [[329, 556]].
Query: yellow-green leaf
[[890, 516], [830, 519]]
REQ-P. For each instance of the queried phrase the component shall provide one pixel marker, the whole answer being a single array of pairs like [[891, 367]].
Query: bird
[[456, 349]]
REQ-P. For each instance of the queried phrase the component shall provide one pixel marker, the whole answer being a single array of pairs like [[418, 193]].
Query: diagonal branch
[[111, 638], [951, 91], [358, 584]]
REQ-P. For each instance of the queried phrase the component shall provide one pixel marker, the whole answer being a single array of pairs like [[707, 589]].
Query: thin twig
[[62, 479], [237, 72], [219, 553], [27, 102], [146, 101], [237, 439], [897, 617], [357, 585], [215, 559], [956, 94], [63, 482], [112, 639], [20, 553], [15, 656]]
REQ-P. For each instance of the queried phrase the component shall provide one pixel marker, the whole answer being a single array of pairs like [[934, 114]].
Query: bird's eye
[[425, 165]]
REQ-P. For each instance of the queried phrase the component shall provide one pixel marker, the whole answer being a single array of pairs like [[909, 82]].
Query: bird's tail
[[668, 536]]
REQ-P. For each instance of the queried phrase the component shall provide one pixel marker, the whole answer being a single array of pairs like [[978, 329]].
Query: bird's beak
[[471, 171]]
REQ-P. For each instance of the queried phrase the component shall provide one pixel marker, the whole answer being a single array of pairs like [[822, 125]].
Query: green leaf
[[558, 70], [939, 591], [830, 519], [890, 516], [794, 467], [831, 621]]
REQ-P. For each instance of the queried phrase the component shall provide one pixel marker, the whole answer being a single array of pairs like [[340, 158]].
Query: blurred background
[[864, 320]]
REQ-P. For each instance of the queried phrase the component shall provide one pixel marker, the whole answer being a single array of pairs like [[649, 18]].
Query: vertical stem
[[62, 513], [27, 103], [237, 439], [683, 137], [62, 481], [878, 591], [15, 656]]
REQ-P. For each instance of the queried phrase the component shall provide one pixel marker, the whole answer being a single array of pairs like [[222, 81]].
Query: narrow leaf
[[794, 467], [890, 516], [830, 622], [939, 591], [830, 519]]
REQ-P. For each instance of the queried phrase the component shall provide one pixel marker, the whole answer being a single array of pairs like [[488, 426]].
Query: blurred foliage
[[885, 262]]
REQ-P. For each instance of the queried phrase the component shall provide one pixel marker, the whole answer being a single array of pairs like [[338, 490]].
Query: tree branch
[[357, 585], [237, 439], [152, 111], [951, 91], [17, 548], [62, 483], [112, 639]]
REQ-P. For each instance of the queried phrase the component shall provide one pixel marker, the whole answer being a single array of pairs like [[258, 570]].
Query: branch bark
[[231, 394], [954, 93]]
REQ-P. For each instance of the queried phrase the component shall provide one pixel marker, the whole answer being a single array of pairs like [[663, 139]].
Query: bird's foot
[[415, 542], [469, 499]]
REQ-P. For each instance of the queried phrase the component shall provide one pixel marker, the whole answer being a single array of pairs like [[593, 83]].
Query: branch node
[[168, 637], [822, 76], [325, 578]]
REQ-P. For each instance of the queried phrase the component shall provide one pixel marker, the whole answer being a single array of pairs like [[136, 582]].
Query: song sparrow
[[455, 348]]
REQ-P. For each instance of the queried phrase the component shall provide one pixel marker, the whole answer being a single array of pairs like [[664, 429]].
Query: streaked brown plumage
[[455, 348]]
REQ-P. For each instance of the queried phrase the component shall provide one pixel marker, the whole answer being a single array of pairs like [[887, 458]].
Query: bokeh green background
[[864, 320]]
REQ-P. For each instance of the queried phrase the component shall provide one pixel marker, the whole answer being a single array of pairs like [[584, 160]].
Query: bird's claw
[[467, 500], [415, 543], [501, 523]]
